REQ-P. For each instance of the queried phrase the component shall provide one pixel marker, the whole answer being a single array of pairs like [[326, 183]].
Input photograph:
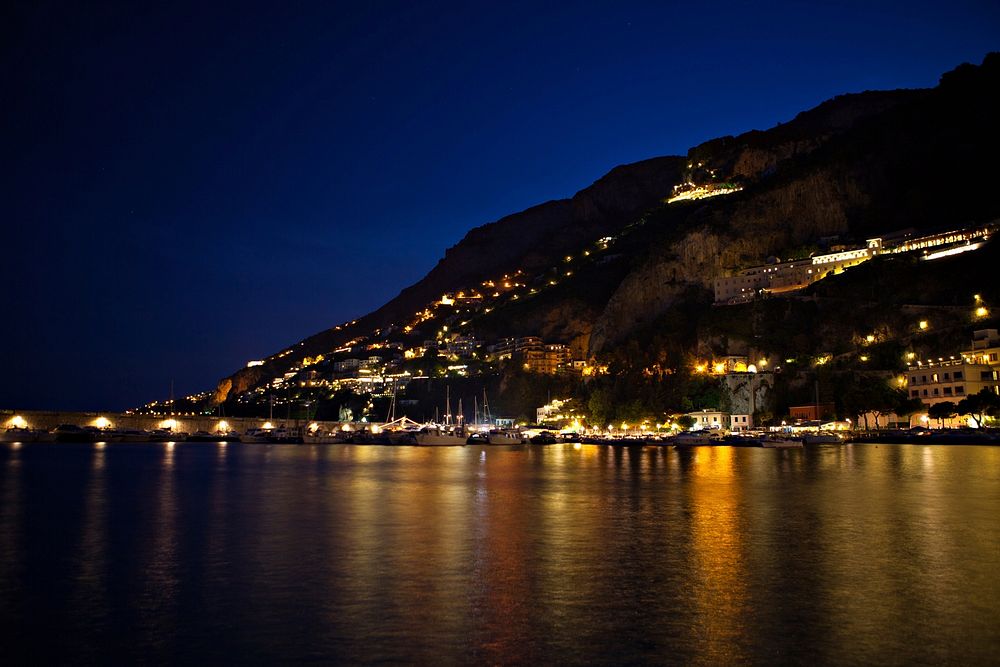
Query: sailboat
[[433, 435], [495, 436]]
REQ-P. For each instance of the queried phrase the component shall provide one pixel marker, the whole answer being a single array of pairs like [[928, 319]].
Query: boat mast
[[447, 405], [392, 403], [817, 401]]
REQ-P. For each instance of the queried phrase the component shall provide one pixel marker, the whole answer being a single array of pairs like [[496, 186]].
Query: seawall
[[47, 420]]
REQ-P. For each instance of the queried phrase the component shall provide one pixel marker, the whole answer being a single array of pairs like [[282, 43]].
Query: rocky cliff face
[[857, 164], [531, 239], [878, 162], [726, 237]]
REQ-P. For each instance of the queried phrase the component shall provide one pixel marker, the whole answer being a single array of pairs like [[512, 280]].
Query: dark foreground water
[[563, 554]]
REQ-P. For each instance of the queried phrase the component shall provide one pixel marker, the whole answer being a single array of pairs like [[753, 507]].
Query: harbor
[[51, 426]]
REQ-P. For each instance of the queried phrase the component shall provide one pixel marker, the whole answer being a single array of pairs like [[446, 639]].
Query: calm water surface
[[255, 554]]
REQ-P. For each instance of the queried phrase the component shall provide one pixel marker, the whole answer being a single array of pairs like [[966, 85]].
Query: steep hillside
[[922, 163], [856, 165]]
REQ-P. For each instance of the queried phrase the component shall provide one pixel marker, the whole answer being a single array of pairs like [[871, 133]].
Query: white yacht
[[775, 442], [499, 437], [433, 435], [257, 435], [692, 440]]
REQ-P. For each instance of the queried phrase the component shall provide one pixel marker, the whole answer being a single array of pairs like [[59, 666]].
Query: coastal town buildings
[[985, 348], [778, 277], [709, 420], [812, 412], [547, 360], [952, 379], [949, 380], [740, 423], [556, 412]]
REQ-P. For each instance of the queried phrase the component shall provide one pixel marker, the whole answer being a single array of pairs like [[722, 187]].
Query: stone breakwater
[[47, 420]]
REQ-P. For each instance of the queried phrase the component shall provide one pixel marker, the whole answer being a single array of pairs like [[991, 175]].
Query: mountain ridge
[[818, 174]]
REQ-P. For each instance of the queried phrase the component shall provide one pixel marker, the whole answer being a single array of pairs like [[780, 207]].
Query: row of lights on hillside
[[719, 367]]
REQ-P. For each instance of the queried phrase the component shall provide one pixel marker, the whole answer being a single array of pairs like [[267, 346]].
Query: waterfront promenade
[[48, 420]]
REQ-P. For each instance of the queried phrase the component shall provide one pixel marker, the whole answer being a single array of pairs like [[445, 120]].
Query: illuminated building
[[554, 412], [781, 277], [811, 412], [952, 379], [788, 276], [709, 419], [985, 347]]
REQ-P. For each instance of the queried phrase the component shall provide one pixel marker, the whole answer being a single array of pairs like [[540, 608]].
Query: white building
[[709, 419]]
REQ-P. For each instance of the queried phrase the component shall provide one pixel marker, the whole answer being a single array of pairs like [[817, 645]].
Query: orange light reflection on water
[[718, 545]]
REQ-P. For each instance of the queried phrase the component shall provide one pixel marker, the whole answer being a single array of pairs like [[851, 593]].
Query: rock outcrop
[[858, 164]]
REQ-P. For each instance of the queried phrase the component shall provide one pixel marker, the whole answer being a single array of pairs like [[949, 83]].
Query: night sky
[[187, 187]]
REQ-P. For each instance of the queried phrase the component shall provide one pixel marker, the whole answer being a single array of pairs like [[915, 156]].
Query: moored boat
[[218, 436], [775, 442], [434, 436], [329, 438], [821, 439], [692, 440], [167, 435], [498, 437], [256, 435], [71, 433], [18, 434]]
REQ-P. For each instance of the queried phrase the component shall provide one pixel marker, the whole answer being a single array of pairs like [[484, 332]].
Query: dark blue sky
[[187, 187]]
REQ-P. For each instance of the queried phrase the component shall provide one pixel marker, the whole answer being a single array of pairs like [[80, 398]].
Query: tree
[[685, 421], [600, 406], [854, 401], [865, 396], [906, 406], [942, 411], [881, 399], [979, 405]]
